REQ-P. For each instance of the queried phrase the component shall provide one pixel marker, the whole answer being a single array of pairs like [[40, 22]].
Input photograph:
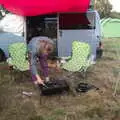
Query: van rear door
[[76, 26]]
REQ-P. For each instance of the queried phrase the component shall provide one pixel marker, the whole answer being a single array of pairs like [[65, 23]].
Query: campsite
[[85, 82], [100, 104]]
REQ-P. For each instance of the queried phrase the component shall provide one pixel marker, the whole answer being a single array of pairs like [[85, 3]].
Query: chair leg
[[71, 84], [11, 73], [84, 75], [116, 86]]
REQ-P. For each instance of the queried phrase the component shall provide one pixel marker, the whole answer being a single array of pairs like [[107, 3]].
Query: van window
[[76, 21]]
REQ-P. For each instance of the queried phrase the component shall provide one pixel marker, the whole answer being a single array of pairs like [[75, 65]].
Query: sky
[[116, 5]]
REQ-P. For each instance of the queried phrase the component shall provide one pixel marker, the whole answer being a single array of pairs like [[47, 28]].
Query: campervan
[[64, 28]]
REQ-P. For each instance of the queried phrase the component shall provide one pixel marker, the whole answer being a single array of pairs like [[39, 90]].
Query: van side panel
[[68, 36], [88, 32]]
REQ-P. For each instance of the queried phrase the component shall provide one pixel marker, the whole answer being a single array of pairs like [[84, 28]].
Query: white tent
[[11, 30], [12, 23]]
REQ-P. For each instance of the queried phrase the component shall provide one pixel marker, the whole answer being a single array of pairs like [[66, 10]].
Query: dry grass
[[93, 105]]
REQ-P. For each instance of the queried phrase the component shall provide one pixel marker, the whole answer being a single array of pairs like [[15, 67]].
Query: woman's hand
[[47, 79], [39, 80]]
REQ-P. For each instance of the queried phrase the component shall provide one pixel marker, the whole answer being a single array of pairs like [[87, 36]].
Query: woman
[[38, 49]]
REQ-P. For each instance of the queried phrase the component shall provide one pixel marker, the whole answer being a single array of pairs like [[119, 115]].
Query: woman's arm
[[33, 68], [44, 65], [39, 80]]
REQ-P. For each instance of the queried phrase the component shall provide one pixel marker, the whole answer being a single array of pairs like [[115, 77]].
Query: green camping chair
[[17, 60], [79, 61]]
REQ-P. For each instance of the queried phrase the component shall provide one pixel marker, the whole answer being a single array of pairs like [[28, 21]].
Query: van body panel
[[68, 36], [88, 32]]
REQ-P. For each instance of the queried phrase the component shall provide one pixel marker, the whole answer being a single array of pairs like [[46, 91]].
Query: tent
[[12, 23], [110, 27], [11, 30], [7, 38], [39, 7]]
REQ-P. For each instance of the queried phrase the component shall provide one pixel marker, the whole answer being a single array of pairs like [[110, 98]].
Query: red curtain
[[39, 7]]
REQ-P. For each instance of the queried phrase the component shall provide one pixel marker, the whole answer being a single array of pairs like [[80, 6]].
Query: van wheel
[[99, 53], [2, 56]]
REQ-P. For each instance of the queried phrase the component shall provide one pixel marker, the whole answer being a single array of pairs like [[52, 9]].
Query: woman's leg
[[34, 79]]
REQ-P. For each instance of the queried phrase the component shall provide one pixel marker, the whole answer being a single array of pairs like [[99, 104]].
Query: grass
[[93, 105]]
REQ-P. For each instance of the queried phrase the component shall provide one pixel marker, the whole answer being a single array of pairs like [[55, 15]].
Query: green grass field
[[93, 105]]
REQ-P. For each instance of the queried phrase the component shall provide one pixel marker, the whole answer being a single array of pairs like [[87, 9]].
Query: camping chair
[[17, 60], [79, 61]]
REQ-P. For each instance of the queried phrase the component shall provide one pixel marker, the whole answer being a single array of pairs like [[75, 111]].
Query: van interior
[[51, 25]]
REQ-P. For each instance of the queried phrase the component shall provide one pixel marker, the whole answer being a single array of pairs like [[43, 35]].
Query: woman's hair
[[47, 45], [49, 48]]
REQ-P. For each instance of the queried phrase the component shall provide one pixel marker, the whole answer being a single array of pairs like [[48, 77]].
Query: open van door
[[43, 25]]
